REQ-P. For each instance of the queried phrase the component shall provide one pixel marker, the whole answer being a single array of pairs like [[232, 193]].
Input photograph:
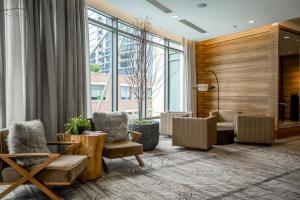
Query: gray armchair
[[192, 132]]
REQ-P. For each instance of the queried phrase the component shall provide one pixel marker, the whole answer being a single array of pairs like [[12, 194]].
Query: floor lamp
[[204, 86]]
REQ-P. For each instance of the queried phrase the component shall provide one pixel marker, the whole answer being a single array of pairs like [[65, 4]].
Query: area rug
[[235, 171]]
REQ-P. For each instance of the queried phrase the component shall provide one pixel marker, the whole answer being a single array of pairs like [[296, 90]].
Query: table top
[[89, 133]]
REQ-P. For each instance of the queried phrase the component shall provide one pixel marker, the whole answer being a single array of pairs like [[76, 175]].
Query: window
[[176, 81], [100, 49], [127, 53], [113, 53], [155, 81], [97, 91], [125, 92], [99, 17]]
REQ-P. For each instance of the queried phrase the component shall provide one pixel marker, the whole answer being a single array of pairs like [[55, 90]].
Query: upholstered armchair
[[165, 125], [54, 170], [226, 118], [255, 129], [192, 132]]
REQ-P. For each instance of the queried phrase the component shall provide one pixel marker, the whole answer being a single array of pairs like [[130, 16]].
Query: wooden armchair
[[58, 170], [121, 149]]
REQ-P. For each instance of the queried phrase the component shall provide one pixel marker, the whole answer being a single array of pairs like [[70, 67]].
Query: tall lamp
[[204, 86]]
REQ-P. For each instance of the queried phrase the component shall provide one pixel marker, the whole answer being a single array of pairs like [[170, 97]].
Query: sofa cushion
[[114, 124], [64, 169], [28, 137], [122, 149], [227, 115], [222, 126]]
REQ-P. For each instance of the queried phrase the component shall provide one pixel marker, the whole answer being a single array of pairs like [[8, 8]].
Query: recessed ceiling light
[[251, 21], [286, 37], [174, 16], [202, 5]]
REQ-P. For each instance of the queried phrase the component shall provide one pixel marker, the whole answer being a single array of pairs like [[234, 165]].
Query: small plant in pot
[[77, 125]]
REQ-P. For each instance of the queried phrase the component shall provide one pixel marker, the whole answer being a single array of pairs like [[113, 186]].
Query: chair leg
[[105, 168], [139, 160], [28, 176]]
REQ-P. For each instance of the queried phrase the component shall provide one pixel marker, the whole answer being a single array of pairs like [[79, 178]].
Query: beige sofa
[[255, 129], [226, 118], [165, 125], [192, 132]]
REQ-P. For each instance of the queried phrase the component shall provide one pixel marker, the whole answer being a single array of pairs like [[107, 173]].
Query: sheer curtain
[[189, 76], [2, 67], [45, 68]]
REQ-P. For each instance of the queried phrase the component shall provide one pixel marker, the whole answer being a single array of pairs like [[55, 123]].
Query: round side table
[[91, 145]]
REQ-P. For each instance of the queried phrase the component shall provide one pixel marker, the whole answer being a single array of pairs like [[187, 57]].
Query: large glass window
[[126, 64], [113, 52], [176, 81], [100, 63], [155, 80]]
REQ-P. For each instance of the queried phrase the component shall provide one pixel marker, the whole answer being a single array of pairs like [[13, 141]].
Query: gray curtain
[[54, 75], [71, 59], [189, 76]]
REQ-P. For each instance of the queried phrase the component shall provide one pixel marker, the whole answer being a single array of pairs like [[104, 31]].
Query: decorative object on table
[[54, 170], [149, 130], [165, 125], [118, 149], [205, 87], [77, 125], [255, 129], [190, 132], [91, 145]]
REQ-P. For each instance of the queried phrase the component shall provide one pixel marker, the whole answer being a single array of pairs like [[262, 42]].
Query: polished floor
[[233, 171]]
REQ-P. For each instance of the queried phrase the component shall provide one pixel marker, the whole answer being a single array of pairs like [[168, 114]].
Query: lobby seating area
[[149, 100]]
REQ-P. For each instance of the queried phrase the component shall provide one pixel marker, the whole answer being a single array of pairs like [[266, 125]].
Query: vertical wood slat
[[247, 65]]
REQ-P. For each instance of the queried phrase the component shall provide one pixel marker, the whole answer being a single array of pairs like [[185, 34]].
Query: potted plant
[[77, 125], [141, 75]]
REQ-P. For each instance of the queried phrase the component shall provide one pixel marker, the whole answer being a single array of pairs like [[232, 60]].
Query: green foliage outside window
[[95, 67]]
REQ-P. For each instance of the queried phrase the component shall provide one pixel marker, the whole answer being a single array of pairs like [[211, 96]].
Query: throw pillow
[[28, 137], [114, 124]]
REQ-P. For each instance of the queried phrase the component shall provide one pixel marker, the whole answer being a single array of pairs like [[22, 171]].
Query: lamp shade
[[202, 87]]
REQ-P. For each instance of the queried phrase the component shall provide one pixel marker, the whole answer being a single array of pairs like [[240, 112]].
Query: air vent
[[160, 6], [193, 26]]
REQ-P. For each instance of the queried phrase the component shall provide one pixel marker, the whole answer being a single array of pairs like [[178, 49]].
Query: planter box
[[150, 134]]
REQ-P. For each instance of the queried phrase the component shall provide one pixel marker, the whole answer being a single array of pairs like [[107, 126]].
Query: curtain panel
[[189, 76], [52, 79]]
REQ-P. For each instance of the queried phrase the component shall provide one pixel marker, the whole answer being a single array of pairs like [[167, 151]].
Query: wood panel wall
[[290, 79], [247, 67]]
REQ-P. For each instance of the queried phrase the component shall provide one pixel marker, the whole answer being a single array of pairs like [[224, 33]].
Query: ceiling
[[218, 18]]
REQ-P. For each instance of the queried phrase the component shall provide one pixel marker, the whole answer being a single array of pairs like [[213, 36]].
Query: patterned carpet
[[225, 172]]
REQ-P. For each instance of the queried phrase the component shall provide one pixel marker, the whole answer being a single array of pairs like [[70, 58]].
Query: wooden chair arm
[[134, 135], [18, 155]]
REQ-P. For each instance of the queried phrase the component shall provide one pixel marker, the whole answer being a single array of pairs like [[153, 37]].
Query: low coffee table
[[225, 135]]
